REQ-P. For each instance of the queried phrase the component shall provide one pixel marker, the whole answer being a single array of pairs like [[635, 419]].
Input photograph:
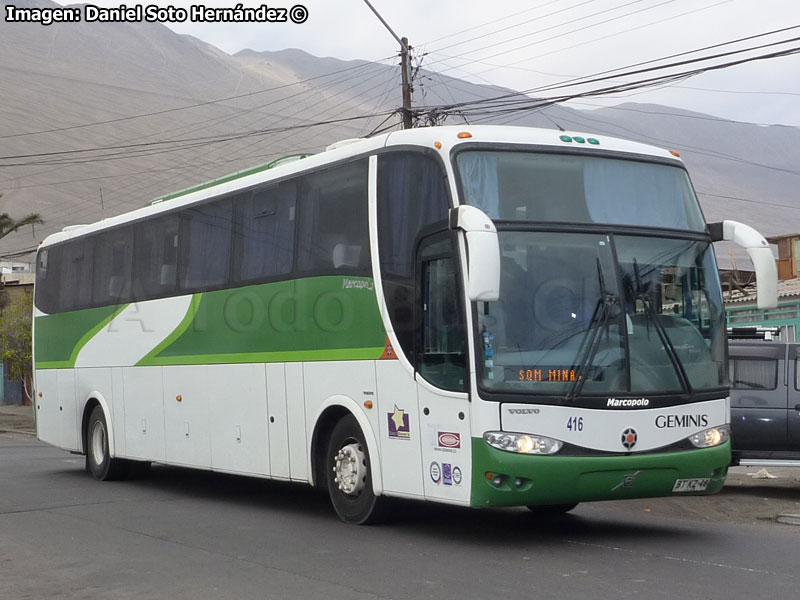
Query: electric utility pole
[[407, 124], [404, 57]]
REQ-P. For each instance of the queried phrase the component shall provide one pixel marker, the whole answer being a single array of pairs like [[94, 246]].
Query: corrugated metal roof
[[786, 289]]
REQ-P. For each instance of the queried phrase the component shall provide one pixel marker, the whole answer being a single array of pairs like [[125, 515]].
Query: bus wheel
[[349, 479], [552, 509], [98, 459]]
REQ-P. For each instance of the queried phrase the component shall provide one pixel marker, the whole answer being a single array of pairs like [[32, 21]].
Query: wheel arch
[[329, 413], [94, 399]]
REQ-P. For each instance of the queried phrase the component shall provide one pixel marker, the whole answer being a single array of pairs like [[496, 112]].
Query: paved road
[[185, 534]]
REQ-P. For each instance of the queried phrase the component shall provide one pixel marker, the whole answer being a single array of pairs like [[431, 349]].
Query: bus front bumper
[[501, 478]]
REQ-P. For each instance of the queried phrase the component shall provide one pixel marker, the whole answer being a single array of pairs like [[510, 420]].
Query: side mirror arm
[[483, 252], [758, 250]]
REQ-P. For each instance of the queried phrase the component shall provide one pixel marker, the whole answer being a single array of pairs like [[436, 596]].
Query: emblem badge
[[447, 439], [436, 473], [629, 438]]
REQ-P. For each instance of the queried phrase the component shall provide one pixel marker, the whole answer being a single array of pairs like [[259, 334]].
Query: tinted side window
[[442, 359], [75, 288], [47, 279], [751, 374], [412, 195], [113, 261], [264, 238], [156, 262], [334, 228], [205, 245]]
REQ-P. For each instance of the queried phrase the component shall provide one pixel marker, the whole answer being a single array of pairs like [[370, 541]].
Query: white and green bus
[[489, 316]]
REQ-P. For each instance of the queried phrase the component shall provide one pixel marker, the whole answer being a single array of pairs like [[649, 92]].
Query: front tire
[[348, 474], [98, 458]]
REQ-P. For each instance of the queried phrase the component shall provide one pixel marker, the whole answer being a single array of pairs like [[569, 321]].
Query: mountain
[[150, 100]]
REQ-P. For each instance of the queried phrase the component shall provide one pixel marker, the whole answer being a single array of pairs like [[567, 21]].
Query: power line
[[751, 201], [572, 31], [147, 149], [523, 97], [671, 114], [516, 14], [186, 107], [512, 65], [592, 122], [521, 23]]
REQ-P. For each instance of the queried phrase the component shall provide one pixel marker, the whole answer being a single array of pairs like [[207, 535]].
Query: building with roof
[[741, 309]]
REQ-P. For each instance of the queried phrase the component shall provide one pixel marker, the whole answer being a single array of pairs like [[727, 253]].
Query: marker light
[[522, 443], [711, 437], [464, 135], [438, 145], [675, 153]]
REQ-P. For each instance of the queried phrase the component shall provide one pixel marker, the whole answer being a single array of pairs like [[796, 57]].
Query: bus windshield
[[531, 186], [603, 314]]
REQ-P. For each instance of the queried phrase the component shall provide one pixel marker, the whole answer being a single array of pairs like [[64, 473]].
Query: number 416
[[575, 424]]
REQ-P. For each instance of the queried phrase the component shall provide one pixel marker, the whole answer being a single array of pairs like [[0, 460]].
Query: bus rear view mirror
[[483, 252], [759, 251]]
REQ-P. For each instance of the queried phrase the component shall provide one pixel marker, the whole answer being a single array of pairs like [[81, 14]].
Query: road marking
[[677, 558]]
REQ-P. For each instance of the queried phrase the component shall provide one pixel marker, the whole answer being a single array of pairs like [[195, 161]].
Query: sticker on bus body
[[399, 426], [697, 484]]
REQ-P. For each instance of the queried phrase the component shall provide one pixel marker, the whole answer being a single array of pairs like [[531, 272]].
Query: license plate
[[698, 484]]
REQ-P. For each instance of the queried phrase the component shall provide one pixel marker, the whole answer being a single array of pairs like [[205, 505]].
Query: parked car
[[765, 402]]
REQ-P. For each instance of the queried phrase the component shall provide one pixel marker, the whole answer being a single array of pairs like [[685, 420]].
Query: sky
[[526, 44]]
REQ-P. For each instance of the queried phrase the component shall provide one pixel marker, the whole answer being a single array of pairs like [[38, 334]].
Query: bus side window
[[442, 357], [333, 232], [113, 261], [76, 275], [156, 257], [412, 197], [47, 279], [205, 245], [264, 240]]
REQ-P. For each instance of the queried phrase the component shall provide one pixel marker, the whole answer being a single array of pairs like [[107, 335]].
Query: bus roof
[[444, 139]]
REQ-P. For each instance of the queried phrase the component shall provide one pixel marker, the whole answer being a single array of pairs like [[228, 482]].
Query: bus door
[[793, 408], [759, 397], [441, 371]]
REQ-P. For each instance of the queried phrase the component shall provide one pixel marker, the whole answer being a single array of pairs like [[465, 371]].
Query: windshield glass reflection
[[601, 314]]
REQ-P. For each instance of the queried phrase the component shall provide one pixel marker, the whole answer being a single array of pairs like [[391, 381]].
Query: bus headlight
[[522, 443], [711, 437]]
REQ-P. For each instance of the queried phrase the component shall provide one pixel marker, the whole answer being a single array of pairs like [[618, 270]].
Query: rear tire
[[552, 509], [348, 475], [98, 458]]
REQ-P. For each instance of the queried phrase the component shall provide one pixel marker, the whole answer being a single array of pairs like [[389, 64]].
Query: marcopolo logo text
[[618, 402]]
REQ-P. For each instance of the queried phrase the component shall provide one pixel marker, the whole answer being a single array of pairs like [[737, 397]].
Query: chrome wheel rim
[[350, 469], [98, 443]]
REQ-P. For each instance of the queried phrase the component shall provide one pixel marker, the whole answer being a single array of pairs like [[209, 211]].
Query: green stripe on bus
[[187, 320], [317, 318], [567, 479], [255, 357], [61, 337]]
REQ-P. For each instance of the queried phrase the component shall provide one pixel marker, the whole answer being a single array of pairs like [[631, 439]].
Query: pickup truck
[[765, 402]]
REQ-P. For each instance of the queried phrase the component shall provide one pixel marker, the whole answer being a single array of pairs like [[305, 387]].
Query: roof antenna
[[549, 118]]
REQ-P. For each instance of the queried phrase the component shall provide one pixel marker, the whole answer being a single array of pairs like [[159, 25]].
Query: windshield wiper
[[594, 334], [653, 316]]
